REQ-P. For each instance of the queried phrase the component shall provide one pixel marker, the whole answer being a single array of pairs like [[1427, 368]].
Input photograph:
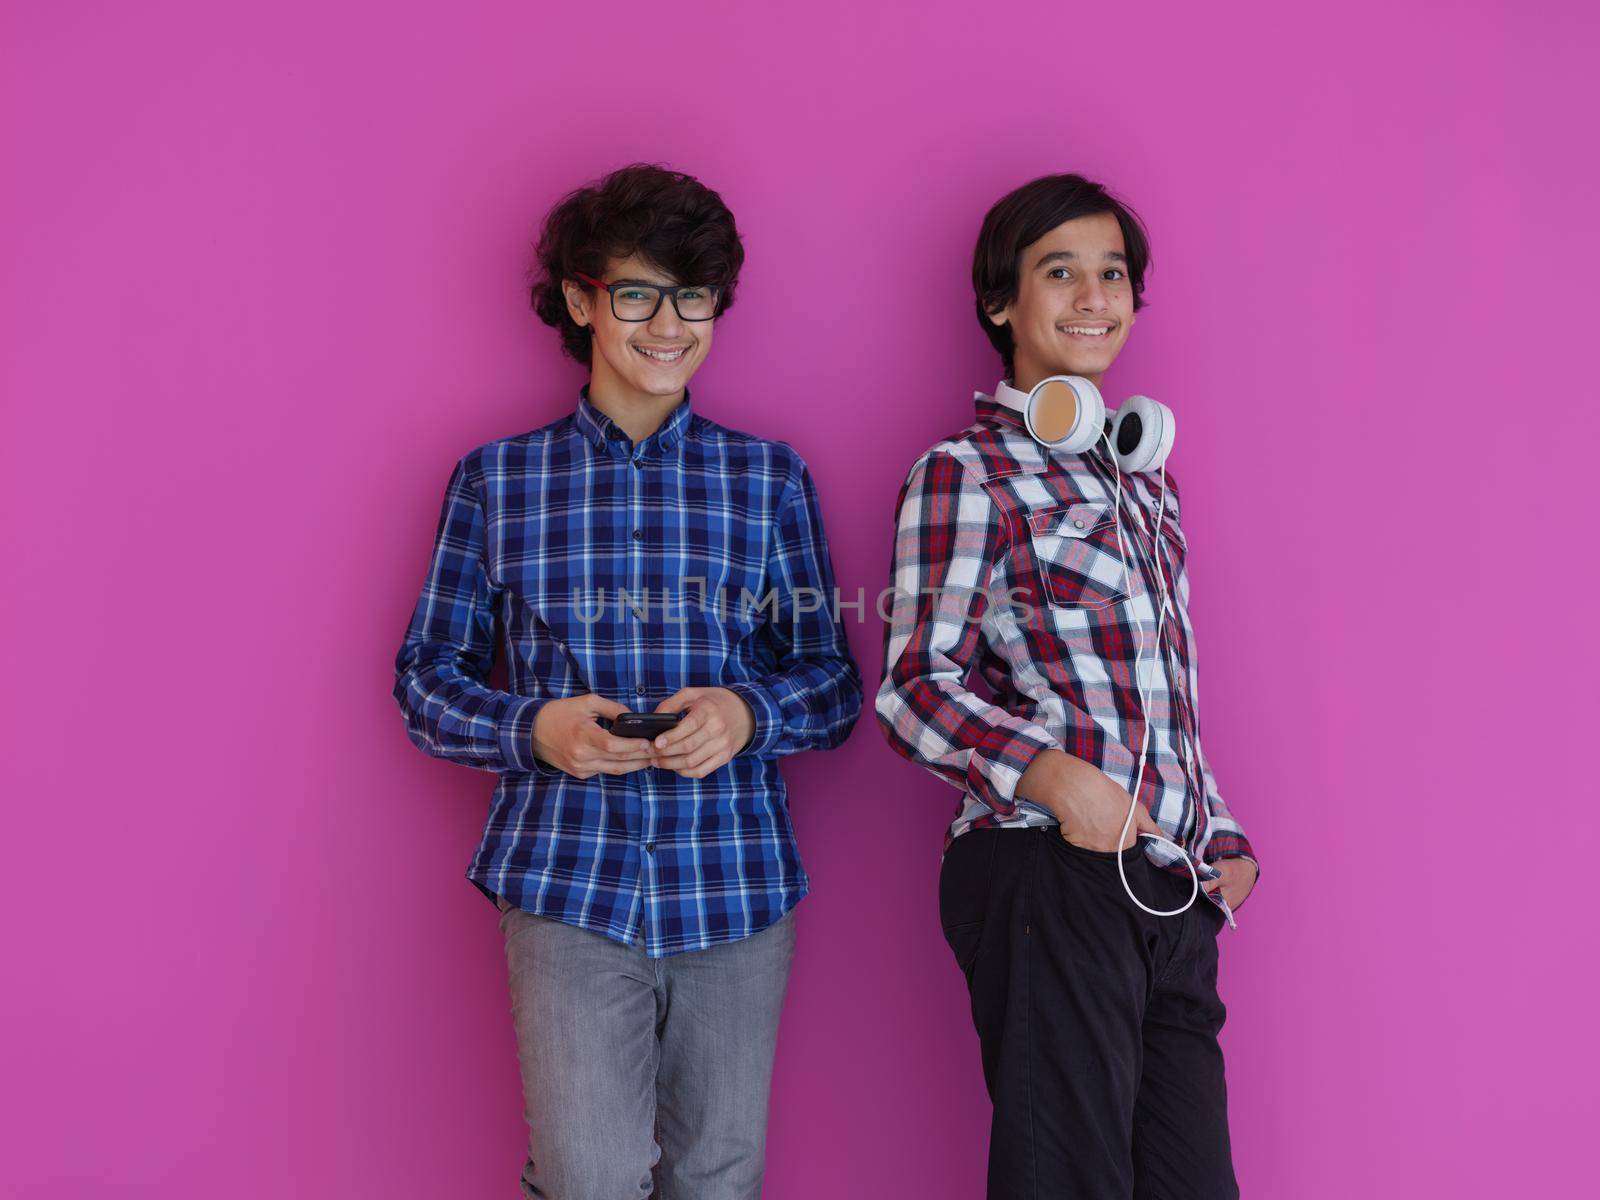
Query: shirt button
[[638, 535], [1079, 524], [639, 691], [650, 847], [638, 465]]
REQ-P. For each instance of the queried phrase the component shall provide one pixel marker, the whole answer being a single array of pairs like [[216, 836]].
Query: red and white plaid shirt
[[1006, 555]]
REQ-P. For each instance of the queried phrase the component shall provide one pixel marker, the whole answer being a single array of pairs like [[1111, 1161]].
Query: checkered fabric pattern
[[1007, 558], [622, 569]]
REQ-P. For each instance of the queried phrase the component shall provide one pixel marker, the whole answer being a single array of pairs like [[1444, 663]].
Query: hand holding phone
[[641, 725], [570, 735]]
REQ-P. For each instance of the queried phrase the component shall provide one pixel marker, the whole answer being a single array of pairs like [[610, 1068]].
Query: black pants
[[1098, 1022]]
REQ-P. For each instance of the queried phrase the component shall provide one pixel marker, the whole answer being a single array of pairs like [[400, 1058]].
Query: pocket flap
[[1071, 520]]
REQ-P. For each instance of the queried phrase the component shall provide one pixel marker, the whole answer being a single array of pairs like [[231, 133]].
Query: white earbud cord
[[1144, 700]]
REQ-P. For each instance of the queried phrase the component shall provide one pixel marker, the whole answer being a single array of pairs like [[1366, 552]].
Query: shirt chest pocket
[[1074, 549]]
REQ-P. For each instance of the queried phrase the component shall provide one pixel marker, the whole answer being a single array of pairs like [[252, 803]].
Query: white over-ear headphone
[[1067, 413]]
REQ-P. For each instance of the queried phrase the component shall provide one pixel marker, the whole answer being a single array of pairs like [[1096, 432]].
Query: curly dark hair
[[1024, 216], [671, 220]]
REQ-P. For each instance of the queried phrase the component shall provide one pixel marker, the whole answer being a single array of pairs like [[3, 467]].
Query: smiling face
[[1074, 303], [636, 360]]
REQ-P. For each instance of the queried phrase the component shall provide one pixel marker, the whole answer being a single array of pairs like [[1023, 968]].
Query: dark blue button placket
[[639, 603]]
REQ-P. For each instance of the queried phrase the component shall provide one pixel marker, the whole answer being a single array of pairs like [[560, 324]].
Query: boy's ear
[[998, 317], [577, 300]]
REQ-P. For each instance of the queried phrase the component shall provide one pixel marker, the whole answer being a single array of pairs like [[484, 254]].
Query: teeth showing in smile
[[1087, 330], [662, 356]]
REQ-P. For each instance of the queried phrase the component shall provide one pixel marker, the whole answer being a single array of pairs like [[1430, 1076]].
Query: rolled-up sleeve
[[948, 538]]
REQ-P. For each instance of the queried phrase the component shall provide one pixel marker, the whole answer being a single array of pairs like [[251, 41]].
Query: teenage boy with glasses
[[1097, 1021], [643, 558]]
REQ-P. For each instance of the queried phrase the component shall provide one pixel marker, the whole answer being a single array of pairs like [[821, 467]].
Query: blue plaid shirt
[[694, 558]]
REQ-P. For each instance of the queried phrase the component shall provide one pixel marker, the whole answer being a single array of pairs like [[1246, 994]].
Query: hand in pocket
[[1090, 805]]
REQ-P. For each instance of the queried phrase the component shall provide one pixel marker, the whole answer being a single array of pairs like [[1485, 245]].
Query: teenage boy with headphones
[[646, 884], [1097, 1019]]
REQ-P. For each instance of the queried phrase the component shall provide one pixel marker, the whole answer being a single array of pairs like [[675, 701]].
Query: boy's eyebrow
[[1109, 256]]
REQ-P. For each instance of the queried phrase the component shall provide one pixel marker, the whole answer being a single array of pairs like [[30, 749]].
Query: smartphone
[[641, 725]]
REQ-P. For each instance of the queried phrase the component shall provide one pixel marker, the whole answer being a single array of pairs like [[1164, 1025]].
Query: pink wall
[[262, 286]]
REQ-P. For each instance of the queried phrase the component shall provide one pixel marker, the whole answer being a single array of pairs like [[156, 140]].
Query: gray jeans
[[639, 1072]]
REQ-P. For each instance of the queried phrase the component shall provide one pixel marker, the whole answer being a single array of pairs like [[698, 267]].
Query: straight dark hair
[[671, 220], [1021, 218]]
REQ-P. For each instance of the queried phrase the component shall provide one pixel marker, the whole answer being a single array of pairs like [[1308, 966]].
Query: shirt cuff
[[768, 718], [516, 737], [1236, 851], [1006, 753]]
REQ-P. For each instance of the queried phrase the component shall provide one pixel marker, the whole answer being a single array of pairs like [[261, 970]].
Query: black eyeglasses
[[639, 301]]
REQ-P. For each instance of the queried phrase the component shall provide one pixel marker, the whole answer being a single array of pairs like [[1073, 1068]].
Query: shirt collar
[[609, 438], [1014, 400]]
